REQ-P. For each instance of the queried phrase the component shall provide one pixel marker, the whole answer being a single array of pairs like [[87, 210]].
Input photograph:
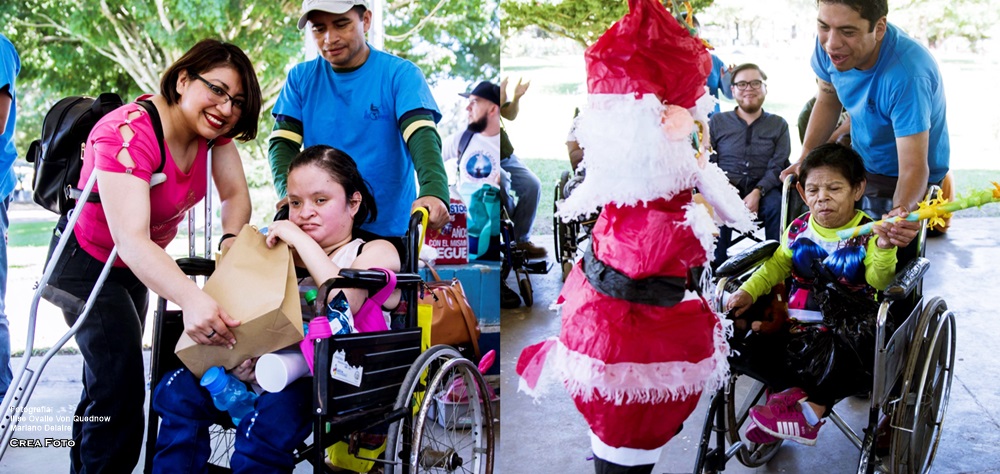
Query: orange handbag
[[453, 322]]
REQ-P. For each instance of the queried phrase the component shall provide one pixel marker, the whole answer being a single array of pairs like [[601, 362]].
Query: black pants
[[110, 420]]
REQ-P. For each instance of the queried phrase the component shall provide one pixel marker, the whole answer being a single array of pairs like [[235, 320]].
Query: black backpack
[[58, 156]]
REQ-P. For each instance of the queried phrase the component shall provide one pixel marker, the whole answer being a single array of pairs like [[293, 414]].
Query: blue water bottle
[[229, 393]]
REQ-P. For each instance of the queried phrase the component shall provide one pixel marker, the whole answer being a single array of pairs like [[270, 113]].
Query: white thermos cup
[[278, 369]]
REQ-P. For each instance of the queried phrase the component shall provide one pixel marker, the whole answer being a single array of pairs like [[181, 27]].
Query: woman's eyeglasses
[[742, 85], [219, 94]]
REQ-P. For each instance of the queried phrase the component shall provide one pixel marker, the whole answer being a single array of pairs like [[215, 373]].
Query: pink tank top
[[169, 201]]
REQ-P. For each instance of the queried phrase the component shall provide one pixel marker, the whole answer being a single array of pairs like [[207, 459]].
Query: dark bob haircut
[[210, 54], [343, 170], [836, 156]]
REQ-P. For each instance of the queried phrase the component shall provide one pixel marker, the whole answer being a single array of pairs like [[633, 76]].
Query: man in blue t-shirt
[[10, 66], [892, 90], [373, 105]]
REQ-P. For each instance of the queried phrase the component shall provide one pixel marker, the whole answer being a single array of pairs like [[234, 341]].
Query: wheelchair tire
[[567, 267], [524, 285], [457, 437], [412, 393], [926, 388], [750, 454], [557, 230]]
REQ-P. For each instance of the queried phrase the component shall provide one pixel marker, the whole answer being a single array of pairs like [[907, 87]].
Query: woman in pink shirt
[[210, 96]]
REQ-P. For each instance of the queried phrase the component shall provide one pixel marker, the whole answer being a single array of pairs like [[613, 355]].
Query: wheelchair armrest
[[746, 259], [372, 278], [199, 266], [906, 280]]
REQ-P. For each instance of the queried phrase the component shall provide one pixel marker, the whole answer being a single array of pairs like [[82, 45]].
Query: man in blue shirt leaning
[[892, 89], [375, 106]]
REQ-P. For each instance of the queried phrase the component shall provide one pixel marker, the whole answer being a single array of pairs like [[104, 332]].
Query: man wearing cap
[[479, 159], [375, 106], [477, 152]]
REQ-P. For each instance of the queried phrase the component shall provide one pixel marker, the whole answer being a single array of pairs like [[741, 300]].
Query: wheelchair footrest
[[537, 267]]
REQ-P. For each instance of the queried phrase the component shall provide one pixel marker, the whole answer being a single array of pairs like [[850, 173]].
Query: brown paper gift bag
[[257, 286]]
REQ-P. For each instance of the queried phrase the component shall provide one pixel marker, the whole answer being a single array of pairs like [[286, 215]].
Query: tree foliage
[[938, 20], [582, 21], [122, 46]]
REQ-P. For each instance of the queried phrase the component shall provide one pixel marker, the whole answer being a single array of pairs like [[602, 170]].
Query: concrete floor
[[551, 436]]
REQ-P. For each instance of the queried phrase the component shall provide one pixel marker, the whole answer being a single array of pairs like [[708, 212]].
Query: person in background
[[752, 147], [519, 178], [720, 77], [10, 66]]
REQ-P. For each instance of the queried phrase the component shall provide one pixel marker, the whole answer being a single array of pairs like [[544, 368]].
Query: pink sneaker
[[788, 397], [785, 422], [756, 435]]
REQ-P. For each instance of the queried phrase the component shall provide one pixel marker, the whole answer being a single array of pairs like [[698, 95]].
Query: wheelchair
[[403, 391], [514, 259], [569, 236], [912, 375]]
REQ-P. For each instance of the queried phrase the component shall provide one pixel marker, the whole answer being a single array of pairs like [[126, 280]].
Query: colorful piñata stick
[[936, 210]]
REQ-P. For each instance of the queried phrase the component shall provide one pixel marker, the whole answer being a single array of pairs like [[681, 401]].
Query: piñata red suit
[[637, 346]]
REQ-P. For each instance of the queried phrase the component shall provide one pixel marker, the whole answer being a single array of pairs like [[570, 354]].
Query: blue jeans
[[528, 189], [264, 440], [114, 380], [5, 373], [769, 210]]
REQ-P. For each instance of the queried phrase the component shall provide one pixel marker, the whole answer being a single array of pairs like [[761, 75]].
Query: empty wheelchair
[[569, 236], [911, 378]]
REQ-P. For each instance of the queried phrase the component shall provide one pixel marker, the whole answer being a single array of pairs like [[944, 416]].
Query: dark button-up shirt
[[751, 155]]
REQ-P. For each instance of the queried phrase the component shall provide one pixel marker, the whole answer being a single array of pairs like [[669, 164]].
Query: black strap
[[154, 118], [463, 142], [653, 291]]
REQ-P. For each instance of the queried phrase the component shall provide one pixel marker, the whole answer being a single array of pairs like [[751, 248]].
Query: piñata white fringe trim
[[729, 208], [702, 226], [622, 383], [628, 157], [623, 456]]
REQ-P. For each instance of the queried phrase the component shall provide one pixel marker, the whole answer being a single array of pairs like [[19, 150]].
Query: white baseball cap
[[337, 7]]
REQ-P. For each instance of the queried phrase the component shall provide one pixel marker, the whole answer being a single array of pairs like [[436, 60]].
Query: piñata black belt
[[654, 291]]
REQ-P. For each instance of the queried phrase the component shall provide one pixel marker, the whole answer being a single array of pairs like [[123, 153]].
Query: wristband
[[223, 239]]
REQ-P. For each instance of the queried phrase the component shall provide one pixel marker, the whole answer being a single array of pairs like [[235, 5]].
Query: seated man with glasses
[[752, 147]]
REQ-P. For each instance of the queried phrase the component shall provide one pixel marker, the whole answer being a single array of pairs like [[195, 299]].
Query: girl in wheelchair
[[824, 351], [328, 201]]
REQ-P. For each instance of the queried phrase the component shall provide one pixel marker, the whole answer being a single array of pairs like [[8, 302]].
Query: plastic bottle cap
[[310, 296], [214, 379]]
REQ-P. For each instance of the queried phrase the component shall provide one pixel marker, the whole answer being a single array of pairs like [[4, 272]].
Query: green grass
[[30, 234], [548, 171]]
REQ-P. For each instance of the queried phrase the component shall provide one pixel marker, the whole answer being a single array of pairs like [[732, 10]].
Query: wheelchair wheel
[[524, 285], [927, 378], [744, 393], [556, 229], [456, 437], [411, 394], [223, 441]]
